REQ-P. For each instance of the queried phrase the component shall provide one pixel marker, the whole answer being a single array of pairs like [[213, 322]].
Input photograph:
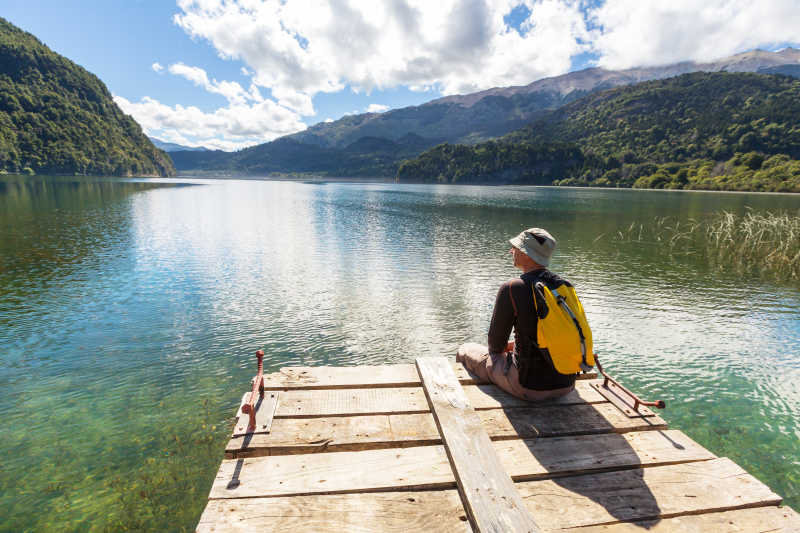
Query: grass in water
[[764, 244]]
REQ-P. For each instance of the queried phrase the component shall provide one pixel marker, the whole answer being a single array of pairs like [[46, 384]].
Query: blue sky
[[239, 72]]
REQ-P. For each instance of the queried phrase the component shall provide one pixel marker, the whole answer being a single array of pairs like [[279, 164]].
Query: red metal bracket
[[249, 407], [659, 404]]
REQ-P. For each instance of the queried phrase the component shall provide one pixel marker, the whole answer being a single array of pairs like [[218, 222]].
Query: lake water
[[130, 311]]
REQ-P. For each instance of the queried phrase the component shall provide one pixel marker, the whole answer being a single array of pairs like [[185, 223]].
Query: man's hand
[[510, 346]]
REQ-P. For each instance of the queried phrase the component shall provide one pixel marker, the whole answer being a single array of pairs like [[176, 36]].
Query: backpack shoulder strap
[[511, 295]]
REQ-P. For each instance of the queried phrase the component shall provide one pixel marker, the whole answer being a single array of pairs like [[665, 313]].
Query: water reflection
[[130, 312]]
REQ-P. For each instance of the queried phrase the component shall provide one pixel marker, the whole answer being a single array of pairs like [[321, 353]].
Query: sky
[[227, 74]]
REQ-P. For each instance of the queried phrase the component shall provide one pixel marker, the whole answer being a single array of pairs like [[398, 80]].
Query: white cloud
[[646, 32], [298, 49], [196, 75], [227, 128], [301, 48], [377, 108], [231, 90]]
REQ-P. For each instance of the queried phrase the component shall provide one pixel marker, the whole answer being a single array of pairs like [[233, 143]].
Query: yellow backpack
[[562, 328]]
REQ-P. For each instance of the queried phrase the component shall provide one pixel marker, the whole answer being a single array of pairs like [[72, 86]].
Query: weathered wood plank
[[521, 459], [331, 473], [343, 377], [493, 397], [265, 411], [389, 400], [575, 420], [763, 519], [341, 433], [342, 402], [350, 377], [347, 433], [558, 456], [441, 510], [487, 491], [437, 511], [628, 495]]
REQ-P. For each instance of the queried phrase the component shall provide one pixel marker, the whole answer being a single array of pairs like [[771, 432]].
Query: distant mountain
[[494, 112], [732, 131], [173, 147], [473, 118], [786, 70], [55, 117], [592, 79], [366, 157]]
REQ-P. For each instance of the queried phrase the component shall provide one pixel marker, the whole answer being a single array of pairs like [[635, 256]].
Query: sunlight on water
[[130, 311]]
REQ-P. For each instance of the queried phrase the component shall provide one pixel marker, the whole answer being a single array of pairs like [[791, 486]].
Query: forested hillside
[[366, 157], [702, 130], [55, 117]]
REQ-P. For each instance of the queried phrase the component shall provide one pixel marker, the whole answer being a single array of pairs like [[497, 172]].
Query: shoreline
[[320, 180]]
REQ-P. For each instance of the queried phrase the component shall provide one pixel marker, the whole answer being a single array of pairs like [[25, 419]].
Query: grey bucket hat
[[536, 243]]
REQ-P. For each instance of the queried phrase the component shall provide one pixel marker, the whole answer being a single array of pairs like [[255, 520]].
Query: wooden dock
[[426, 447]]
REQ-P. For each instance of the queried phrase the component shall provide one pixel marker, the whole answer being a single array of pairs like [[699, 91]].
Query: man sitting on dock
[[518, 367]]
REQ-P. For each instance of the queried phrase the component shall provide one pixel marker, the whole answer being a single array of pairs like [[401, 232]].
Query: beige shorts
[[500, 370]]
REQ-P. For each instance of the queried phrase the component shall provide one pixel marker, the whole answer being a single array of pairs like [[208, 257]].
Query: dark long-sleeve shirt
[[535, 369]]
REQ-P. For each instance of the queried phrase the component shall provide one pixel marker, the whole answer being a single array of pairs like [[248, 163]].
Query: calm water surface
[[130, 310]]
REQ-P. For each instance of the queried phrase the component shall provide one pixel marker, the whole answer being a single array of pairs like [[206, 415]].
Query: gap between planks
[[311, 435], [345, 402], [426, 467]]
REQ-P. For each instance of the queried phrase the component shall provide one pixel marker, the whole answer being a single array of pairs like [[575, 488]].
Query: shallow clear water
[[130, 311]]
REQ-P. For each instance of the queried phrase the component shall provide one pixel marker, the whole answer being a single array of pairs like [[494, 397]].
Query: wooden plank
[[440, 511], [487, 492], [621, 399], [265, 411], [540, 458], [575, 420], [342, 402], [764, 519], [391, 400], [343, 433], [545, 458], [628, 495], [437, 511], [353, 377], [330, 473], [338, 377], [427, 466], [348, 433], [493, 397]]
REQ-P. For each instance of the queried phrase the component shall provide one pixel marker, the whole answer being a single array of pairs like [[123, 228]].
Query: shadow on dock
[[620, 489]]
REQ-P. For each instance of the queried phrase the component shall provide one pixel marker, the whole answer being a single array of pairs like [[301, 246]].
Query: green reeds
[[764, 244]]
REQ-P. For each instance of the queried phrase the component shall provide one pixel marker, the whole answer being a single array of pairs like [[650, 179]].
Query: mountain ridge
[[490, 114], [701, 130], [751, 61], [175, 147]]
